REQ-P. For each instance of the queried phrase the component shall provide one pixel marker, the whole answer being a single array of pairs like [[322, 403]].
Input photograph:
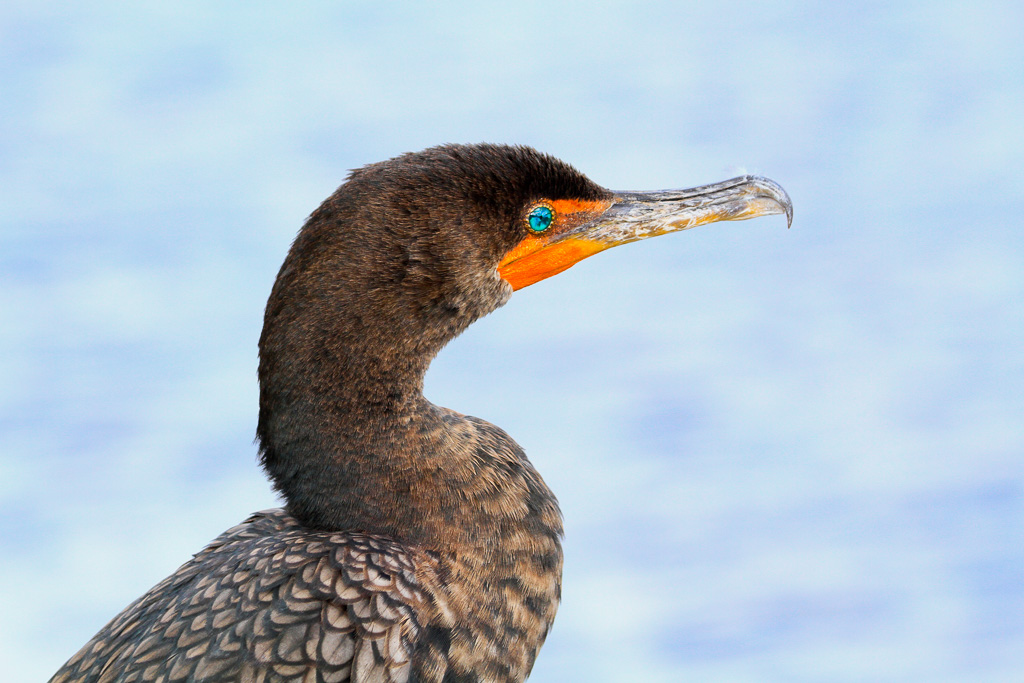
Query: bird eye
[[540, 218]]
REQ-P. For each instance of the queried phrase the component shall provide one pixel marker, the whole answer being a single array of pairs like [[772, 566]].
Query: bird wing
[[268, 601]]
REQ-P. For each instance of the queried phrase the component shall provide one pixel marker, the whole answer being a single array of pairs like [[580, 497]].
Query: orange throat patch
[[534, 259]]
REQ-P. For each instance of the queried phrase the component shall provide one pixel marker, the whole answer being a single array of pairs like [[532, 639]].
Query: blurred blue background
[[782, 455]]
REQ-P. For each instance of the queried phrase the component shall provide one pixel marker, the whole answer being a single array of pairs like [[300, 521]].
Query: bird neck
[[375, 456], [337, 418], [352, 444]]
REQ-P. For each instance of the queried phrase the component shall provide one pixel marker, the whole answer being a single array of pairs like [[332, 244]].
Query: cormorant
[[416, 543]]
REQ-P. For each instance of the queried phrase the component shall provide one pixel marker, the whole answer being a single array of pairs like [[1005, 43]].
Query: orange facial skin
[[542, 255], [533, 260], [569, 208]]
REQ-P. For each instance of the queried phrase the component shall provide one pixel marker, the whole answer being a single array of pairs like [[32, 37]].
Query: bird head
[[402, 258], [440, 232]]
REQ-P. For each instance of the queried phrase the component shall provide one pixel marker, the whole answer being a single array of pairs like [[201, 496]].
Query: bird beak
[[632, 216]]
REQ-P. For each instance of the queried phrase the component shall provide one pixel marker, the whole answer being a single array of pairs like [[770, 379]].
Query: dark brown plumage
[[417, 544]]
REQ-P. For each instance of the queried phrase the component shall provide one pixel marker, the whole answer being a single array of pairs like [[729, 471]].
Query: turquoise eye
[[540, 218]]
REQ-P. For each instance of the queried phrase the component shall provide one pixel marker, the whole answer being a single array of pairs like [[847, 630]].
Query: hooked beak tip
[[769, 189]]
